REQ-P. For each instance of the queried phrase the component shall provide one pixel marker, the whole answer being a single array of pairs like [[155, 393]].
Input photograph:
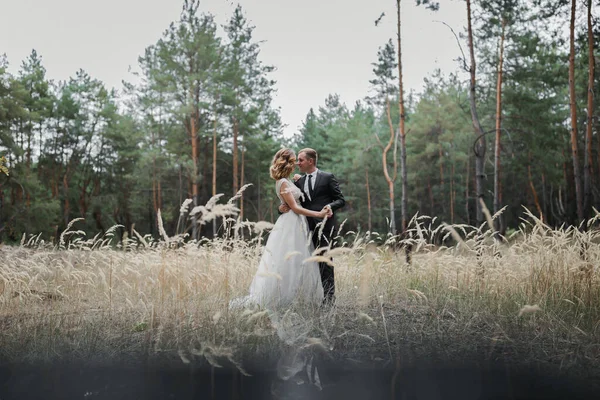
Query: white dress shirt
[[313, 179]]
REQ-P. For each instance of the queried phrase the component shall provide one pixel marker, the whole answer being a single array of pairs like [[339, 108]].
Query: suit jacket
[[326, 192]]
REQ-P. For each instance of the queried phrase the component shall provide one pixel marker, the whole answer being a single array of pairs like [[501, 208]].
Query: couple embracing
[[283, 276]]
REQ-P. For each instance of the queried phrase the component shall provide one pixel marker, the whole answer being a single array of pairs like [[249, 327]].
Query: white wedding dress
[[283, 278]]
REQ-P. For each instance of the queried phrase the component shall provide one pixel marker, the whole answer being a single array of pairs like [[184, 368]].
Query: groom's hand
[[283, 208]]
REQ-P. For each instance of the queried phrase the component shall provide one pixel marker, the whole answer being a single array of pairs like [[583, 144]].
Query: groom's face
[[303, 163]]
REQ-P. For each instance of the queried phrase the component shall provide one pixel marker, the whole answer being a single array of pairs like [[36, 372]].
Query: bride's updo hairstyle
[[283, 164]]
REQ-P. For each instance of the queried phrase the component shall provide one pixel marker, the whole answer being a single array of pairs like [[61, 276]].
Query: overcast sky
[[318, 46]]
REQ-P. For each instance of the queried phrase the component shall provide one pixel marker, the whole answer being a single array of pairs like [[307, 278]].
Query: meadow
[[529, 301]]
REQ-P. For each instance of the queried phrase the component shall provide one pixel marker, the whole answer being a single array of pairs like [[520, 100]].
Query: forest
[[133, 219], [515, 129]]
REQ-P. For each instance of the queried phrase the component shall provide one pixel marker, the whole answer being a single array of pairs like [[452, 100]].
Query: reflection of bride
[[283, 277]]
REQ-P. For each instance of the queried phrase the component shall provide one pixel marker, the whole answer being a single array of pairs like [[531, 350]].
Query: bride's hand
[[324, 212]]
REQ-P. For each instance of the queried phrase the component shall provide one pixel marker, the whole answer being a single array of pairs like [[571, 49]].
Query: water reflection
[[298, 375], [305, 367]]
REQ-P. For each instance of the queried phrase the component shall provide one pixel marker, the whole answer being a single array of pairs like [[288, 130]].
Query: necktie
[[311, 191]]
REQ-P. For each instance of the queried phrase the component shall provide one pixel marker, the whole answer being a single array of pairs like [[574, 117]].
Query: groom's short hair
[[310, 153]]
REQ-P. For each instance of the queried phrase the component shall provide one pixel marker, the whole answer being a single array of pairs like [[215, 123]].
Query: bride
[[283, 277]]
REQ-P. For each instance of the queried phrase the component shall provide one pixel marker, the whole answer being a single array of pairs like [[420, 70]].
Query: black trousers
[[326, 270], [328, 280]]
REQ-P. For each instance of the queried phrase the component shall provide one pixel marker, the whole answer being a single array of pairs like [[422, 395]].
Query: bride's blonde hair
[[283, 164]]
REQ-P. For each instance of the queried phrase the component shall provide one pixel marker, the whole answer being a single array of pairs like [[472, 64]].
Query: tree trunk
[[205, 168], [369, 223], [259, 213], [83, 203], [180, 184], [242, 182], [21, 142], [193, 135], [388, 179], [214, 171], [154, 197], [573, 105], [431, 198], [452, 196], [544, 196], [1, 213], [467, 177], [598, 162], [54, 185], [67, 207], [194, 140], [566, 197], [28, 151], [588, 163], [533, 191], [441, 161], [403, 206], [27, 173], [154, 186], [497, 205], [403, 203], [480, 145], [159, 194], [235, 157]]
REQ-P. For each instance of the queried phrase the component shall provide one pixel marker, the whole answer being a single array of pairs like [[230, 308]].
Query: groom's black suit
[[326, 192]]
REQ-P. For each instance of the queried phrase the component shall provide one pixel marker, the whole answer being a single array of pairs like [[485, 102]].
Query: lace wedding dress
[[283, 277]]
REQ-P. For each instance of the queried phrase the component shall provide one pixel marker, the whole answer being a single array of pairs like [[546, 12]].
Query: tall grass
[[533, 297]]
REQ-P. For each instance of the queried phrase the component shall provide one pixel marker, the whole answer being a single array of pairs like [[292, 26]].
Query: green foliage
[[385, 81], [438, 145], [76, 149]]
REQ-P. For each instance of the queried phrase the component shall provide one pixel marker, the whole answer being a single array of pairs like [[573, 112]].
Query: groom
[[320, 189]]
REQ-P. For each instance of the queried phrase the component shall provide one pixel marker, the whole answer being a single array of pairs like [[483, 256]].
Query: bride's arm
[[291, 202]]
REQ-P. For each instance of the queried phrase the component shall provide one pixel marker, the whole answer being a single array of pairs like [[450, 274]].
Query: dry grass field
[[532, 301]]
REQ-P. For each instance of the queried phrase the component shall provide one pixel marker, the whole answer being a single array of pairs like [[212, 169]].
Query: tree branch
[[464, 58]]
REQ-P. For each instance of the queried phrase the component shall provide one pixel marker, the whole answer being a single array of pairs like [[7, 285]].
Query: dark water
[[181, 381]]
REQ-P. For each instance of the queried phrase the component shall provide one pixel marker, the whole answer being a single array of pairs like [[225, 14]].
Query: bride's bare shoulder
[[285, 186]]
